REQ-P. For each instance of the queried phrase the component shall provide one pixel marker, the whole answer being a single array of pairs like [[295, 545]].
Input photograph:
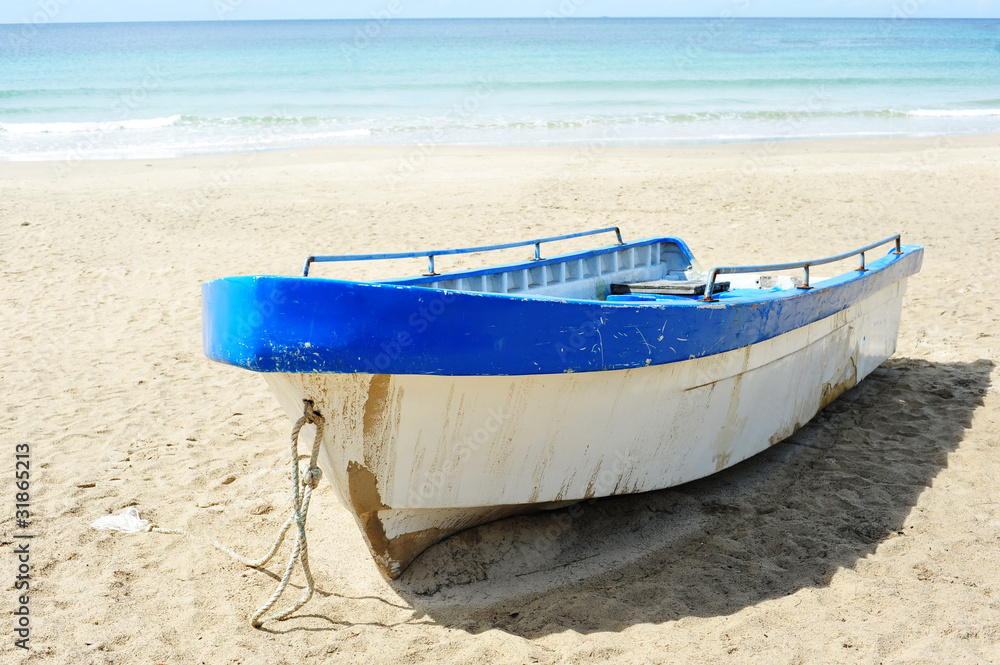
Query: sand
[[870, 536]]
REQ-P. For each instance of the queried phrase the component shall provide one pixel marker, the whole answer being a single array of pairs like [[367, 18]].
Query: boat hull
[[417, 457]]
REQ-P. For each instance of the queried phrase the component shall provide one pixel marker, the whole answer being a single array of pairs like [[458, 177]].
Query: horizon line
[[521, 18]]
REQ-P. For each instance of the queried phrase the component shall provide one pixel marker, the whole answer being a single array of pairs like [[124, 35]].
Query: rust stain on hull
[[362, 487], [394, 555], [780, 436], [721, 461], [831, 391], [375, 420], [378, 395]]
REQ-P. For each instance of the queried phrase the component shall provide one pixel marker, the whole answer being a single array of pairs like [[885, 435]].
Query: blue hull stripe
[[306, 325]]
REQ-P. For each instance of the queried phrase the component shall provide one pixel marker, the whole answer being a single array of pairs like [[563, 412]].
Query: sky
[[69, 11]]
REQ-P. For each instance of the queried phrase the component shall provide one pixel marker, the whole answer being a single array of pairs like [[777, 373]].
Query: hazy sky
[[45, 11]]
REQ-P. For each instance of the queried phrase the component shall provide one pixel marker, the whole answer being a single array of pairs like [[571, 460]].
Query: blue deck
[[306, 325]]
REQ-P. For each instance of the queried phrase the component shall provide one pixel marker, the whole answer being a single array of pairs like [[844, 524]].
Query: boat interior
[[657, 265], [654, 269]]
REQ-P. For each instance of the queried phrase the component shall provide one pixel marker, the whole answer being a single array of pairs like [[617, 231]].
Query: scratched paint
[[557, 434], [331, 326]]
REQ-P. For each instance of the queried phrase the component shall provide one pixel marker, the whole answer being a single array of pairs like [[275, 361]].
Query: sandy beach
[[872, 535]]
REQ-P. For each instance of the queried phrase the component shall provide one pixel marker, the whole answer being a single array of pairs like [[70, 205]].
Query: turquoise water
[[162, 89]]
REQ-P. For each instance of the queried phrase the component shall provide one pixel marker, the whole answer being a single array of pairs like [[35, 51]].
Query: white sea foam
[[955, 113], [352, 132], [87, 127]]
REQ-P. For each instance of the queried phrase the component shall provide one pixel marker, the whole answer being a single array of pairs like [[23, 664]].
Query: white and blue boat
[[454, 399]]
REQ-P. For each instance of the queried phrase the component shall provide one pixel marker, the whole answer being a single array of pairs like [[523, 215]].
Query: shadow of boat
[[782, 521]]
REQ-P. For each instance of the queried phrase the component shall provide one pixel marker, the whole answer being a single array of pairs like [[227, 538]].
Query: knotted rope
[[130, 521], [300, 509]]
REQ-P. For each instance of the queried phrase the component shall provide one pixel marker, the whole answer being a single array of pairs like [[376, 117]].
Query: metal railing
[[728, 270], [465, 250]]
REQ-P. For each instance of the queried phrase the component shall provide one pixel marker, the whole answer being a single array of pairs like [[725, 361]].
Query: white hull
[[418, 457]]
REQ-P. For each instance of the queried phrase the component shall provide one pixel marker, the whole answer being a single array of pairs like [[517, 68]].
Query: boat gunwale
[[735, 296], [317, 325]]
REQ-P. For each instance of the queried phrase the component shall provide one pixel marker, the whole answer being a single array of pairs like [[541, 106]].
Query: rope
[[300, 509]]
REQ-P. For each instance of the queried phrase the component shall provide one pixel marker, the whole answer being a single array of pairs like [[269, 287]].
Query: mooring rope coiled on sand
[[130, 522]]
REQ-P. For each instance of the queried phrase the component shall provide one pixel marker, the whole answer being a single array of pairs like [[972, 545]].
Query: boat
[[454, 399]]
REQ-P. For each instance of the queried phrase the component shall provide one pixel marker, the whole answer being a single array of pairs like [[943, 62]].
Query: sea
[[148, 90]]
